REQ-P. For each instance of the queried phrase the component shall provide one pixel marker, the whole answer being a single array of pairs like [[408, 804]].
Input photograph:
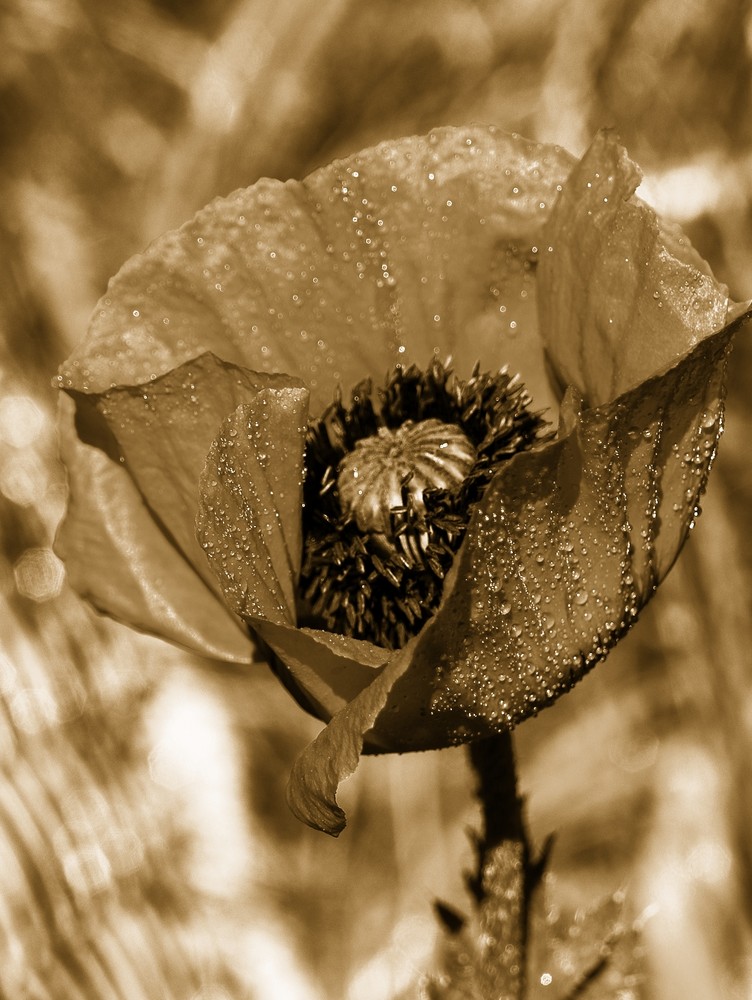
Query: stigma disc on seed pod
[[395, 467]]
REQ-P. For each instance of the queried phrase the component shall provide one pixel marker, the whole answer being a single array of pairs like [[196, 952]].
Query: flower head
[[428, 563]]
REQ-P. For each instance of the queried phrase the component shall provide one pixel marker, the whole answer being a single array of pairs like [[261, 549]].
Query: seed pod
[[414, 458]]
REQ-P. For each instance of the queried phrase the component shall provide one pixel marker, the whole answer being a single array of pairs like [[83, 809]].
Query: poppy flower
[[271, 455]]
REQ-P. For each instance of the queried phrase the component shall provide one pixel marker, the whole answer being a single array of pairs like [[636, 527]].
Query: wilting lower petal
[[334, 754]]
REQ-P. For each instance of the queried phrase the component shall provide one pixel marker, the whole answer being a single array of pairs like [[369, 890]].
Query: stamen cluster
[[382, 586]]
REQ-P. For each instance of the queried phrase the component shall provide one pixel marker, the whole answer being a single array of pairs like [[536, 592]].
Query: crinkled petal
[[250, 504], [620, 296], [161, 432], [118, 558], [413, 247]]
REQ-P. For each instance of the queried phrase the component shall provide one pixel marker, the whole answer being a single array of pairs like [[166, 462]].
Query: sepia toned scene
[[147, 848]]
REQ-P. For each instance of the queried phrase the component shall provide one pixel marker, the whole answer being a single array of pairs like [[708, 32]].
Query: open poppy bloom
[[437, 559]]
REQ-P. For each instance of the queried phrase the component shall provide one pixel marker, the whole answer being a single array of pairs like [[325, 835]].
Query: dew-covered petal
[[567, 545], [620, 294], [443, 232], [249, 525], [570, 542], [413, 247], [117, 557], [161, 432], [249, 520]]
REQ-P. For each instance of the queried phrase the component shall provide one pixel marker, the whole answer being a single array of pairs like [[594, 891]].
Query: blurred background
[[146, 850]]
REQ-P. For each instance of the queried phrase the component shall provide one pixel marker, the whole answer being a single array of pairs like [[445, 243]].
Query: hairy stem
[[504, 876]]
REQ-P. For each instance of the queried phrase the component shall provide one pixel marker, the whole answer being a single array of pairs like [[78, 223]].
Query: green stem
[[505, 874]]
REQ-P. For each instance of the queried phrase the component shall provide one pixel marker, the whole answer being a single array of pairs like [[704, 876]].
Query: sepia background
[[146, 851]]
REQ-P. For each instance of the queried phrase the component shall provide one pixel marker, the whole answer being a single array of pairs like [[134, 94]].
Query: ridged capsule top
[[416, 456]]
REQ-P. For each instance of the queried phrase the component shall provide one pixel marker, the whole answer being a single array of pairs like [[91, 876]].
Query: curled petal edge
[[334, 754]]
